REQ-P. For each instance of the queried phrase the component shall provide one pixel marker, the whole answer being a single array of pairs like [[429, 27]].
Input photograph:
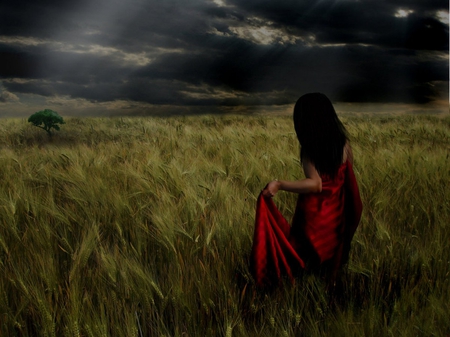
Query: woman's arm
[[348, 153], [311, 184]]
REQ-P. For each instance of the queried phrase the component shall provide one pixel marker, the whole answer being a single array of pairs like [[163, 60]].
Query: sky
[[165, 57]]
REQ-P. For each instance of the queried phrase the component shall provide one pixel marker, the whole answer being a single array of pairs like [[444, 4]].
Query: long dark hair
[[320, 132]]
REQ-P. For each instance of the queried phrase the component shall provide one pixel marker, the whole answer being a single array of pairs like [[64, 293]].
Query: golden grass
[[117, 227]]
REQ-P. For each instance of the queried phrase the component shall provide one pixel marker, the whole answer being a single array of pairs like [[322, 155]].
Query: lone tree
[[46, 119]]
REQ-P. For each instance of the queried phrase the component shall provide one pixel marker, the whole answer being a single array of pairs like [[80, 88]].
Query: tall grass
[[123, 227]]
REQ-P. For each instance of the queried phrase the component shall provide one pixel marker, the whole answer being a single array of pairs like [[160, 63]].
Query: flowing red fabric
[[322, 229]]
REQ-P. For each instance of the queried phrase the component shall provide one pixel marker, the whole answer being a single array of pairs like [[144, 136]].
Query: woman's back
[[328, 206], [318, 218]]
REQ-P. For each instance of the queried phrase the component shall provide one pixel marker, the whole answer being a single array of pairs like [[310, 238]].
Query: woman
[[328, 207]]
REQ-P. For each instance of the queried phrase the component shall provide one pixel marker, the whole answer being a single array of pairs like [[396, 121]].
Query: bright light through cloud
[[403, 13], [139, 59], [21, 40], [220, 3], [257, 31], [264, 35], [443, 17]]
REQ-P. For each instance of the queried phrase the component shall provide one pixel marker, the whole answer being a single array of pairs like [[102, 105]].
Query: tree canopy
[[46, 119]]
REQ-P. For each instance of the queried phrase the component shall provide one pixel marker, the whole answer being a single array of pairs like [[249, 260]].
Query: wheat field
[[143, 227]]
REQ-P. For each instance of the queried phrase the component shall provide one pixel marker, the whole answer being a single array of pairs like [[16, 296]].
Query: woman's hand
[[271, 189]]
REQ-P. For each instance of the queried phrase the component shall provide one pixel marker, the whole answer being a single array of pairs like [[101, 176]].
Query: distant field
[[130, 227]]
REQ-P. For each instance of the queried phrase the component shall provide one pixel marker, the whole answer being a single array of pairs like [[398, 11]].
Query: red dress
[[322, 229]]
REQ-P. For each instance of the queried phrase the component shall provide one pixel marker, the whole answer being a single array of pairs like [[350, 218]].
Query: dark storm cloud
[[248, 52], [37, 18], [365, 22], [18, 63]]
